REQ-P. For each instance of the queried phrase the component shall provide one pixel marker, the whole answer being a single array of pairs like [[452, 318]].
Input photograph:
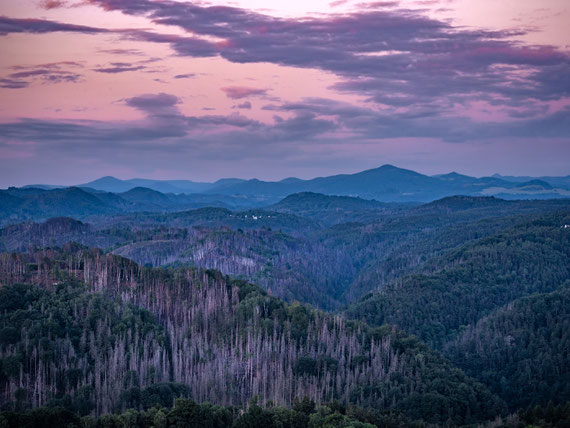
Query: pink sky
[[175, 89]]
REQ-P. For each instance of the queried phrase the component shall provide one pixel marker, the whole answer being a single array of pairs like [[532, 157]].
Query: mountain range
[[386, 183], [359, 196]]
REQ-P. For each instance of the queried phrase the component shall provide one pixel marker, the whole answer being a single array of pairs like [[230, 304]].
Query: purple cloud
[[164, 121], [47, 73], [378, 5], [185, 76], [122, 52], [13, 25], [168, 137], [52, 4], [13, 84], [50, 65], [153, 102], [238, 92], [186, 46], [245, 105], [418, 75], [119, 69], [397, 57], [337, 3]]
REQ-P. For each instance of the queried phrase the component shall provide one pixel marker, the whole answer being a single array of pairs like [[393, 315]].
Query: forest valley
[[316, 311]]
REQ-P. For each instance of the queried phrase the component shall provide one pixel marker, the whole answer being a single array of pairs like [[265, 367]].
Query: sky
[[175, 89]]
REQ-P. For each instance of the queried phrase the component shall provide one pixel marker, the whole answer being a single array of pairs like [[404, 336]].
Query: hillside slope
[[225, 340], [521, 351], [458, 289]]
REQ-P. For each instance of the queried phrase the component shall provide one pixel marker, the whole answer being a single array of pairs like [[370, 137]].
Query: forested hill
[[330, 210], [521, 351], [30, 203], [293, 256], [477, 304], [458, 289], [133, 337]]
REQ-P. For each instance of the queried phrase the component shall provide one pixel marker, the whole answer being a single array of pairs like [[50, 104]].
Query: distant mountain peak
[[535, 183], [462, 202], [313, 199], [451, 174], [107, 178], [392, 168], [72, 189], [455, 177], [142, 190], [290, 180]]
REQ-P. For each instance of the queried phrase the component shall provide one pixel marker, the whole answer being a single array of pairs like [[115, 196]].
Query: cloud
[[8, 83], [338, 3], [378, 5], [185, 76], [245, 105], [123, 52], [164, 124], [46, 73], [369, 124], [13, 25], [152, 103], [185, 46], [419, 77], [310, 131], [163, 121], [238, 92], [119, 69], [52, 4], [29, 73], [122, 67], [162, 114], [397, 57], [302, 125], [51, 65]]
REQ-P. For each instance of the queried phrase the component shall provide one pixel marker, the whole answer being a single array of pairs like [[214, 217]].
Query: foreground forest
[[224, 341], [450, 313]]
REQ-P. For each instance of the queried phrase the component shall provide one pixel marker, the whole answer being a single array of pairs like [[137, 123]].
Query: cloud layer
[[394, 74]]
